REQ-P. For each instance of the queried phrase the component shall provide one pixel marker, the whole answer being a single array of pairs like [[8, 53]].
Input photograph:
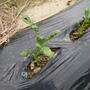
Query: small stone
[[37, 69], [32, 65]]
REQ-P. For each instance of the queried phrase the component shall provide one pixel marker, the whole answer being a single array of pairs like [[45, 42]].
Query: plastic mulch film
[[68, 70]]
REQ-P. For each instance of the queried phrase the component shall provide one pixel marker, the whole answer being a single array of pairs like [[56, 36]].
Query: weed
[[85, 23], [40, 40]]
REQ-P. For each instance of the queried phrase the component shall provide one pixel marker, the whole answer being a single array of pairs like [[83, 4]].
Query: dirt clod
[[36, 70]]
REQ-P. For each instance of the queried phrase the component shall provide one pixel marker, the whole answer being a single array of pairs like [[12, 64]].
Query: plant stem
[[36, 53]]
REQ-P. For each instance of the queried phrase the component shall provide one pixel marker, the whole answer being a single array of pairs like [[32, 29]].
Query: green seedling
[[85, 23], [40, 41]]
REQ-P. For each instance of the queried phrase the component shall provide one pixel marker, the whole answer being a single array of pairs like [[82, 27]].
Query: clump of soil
[[34, 67], [74, 34]]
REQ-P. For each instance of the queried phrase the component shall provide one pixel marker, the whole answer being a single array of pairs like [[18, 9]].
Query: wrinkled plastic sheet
[[70, 70]]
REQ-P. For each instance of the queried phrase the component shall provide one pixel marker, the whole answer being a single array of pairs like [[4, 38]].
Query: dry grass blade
[[6, 29], [3, 3], [8, 20], [1, 24]]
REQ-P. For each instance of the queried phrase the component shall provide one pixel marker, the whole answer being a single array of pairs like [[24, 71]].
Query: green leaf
[[38, 45], [41, 39], [87, 12], [78, 24], [26, 19], [34, 26], [25, 53], [54, 33], [46, 51], [37, 59]]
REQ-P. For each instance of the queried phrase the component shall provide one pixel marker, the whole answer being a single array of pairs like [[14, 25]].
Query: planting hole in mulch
[[34, 67], [74, 33]]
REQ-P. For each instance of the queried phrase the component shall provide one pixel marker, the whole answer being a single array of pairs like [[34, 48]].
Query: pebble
[[37, 69], [32, 65]]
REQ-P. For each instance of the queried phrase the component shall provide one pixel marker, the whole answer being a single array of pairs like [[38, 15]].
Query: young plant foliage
[[85, 23], [40, 40]]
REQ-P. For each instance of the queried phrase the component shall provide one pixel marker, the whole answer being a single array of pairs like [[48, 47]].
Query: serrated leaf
[[26, 19], [54, 33], [25, 53], [46, 51], [35, 28], [41, 39]]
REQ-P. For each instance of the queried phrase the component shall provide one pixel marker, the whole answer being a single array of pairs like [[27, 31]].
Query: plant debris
[[69, 2], [9, 13], [7, 25]]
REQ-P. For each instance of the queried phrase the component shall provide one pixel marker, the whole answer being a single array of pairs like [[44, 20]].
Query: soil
[[34, 67], [12, 22], [74, 35]]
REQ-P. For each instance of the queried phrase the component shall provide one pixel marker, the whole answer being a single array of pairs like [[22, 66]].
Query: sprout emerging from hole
[[40, 40]]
